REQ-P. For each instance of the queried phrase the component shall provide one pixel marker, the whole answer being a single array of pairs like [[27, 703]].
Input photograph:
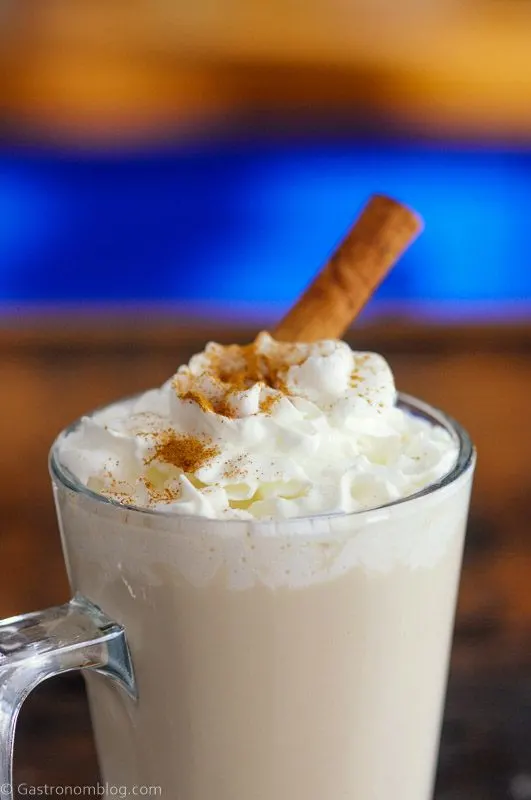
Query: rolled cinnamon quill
[[382, 232]]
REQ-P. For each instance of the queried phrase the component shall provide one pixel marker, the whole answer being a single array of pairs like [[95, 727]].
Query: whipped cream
[[270, 430]]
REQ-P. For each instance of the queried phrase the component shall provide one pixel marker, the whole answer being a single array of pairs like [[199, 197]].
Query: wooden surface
[[51, 373]]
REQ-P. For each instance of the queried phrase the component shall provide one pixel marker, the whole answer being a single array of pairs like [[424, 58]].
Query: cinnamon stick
[[382, 232]]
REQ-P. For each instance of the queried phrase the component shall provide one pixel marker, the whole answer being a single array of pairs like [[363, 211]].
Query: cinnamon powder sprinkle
[[220, 406], [119, 491], [188, 453], [164, 495], [256, 368], [198, 397], [266, 405], [235, 468], [239, 368], [224, 408]]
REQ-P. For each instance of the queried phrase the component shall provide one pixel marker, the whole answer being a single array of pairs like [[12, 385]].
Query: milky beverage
[[289, 617]]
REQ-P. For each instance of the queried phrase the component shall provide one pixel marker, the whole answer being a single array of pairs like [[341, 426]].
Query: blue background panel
[[251, 222]]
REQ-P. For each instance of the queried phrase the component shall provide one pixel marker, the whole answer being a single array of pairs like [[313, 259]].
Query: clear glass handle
[[36, 646]]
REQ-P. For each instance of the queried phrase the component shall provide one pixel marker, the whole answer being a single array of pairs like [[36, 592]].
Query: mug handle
[[39, 645]]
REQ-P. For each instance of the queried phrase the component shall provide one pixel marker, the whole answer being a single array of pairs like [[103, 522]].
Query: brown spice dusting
[[356, 378], [120, 497], [235, 468], [221, 406], [224, 408], [198, 397], [188, 453], [261, 368], [121, 491], [162, 495], [267, 404], [238, 368], [244, 366]]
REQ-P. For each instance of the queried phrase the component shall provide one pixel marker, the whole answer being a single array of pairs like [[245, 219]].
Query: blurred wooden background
[[117, 70], [53, 370]]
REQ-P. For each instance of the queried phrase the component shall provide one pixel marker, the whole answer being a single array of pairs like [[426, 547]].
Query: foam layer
[[242, 554]]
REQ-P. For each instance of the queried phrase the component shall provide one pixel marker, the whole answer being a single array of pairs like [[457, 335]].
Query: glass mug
[[299, 659]]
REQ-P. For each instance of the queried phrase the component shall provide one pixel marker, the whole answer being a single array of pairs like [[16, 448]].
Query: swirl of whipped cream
[[269, 430]]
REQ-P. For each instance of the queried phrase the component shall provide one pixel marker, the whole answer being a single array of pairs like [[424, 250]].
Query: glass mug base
[[294, 660]]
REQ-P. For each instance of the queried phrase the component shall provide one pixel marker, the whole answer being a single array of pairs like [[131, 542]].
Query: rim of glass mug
[[465, 460]]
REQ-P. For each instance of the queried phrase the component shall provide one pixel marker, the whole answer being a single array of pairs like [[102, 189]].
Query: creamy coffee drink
[[282, 540]]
